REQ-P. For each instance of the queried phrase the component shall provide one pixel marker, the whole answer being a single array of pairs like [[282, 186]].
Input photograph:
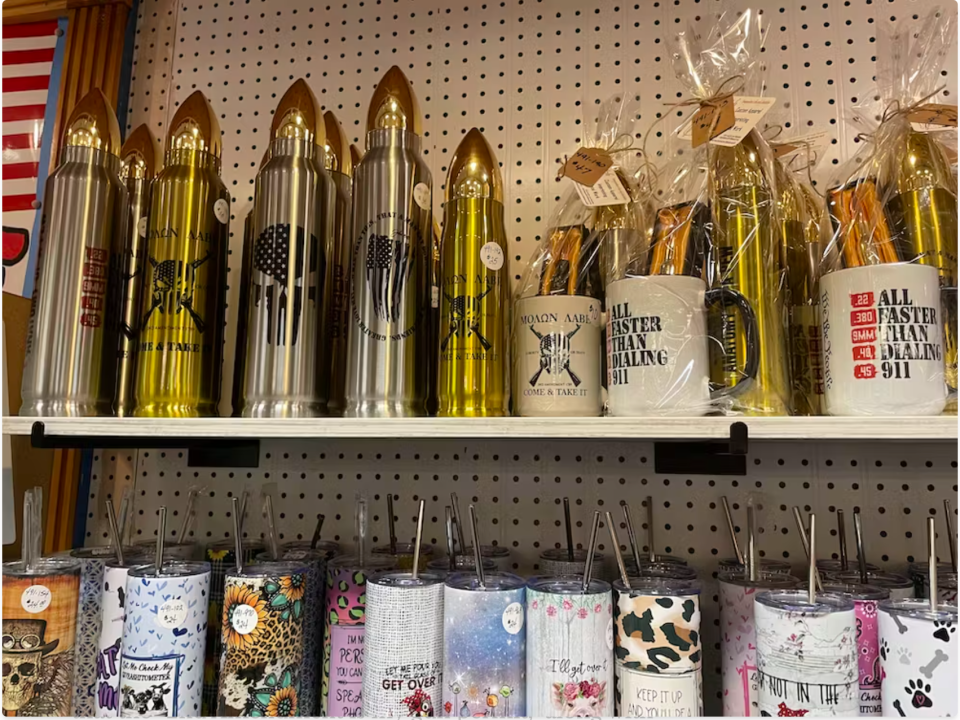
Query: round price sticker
[[491, 255], [610, 635], [421, 195], [36, 598], [142, 226], [243, 619], [221, 208], [172, 613], [513, 618]]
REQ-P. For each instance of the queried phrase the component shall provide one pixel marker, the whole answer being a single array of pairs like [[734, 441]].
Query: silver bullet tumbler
[[283, 373], [138, 168], [389, 352], [71, 358], [339, 163]]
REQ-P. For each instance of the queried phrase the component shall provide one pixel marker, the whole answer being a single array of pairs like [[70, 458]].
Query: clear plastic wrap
[[695, 321], [558, 316], [889, 272]]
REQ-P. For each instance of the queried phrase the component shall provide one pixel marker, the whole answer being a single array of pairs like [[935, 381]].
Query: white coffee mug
[[658, 350], [557, 367], [883, 340]]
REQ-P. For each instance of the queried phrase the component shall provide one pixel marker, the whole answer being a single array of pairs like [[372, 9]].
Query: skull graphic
[[21, 673], [465, 316], [174, 284], [555, 355], [271, 256]]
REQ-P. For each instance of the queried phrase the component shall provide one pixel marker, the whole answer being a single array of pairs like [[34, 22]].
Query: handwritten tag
[[172, 613], [712, 120], [749, 111], [586, 166], [933, 117], [607, 191], [36, 598]]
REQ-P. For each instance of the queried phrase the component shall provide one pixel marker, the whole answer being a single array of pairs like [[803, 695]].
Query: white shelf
[[780, 428]]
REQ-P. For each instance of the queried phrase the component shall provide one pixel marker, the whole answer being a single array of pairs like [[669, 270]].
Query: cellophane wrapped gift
[[893, 246], [557, 358], [725, 227]]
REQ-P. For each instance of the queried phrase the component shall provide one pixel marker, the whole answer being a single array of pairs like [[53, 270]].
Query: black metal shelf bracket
[[704, 457], [201, 452]]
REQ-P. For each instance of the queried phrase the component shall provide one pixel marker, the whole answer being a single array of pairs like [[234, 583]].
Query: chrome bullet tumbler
[[339, 163], [138, 167], [284, 376], [389, 355], [70, 365], [747, 247], [181, 335], [474, 285]]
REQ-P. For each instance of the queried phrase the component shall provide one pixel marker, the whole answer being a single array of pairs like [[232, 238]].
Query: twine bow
[[894, 110]]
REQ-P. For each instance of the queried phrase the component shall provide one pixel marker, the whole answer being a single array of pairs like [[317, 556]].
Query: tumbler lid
[[464, 563], [766, 564], [93, 124], [394, 106], [298, 116], [268, 568], [138, 157], [567, 585], [492, 582], [403, 548], [329, 548], [662, 570], [490, 551], [561, 555], [920, 610], [372, 565], [878, 578], [857, 591], [60, 565], [405, 580], [765, 579], [170, 569], [337, 156], [292, 554], [658, 586], [800, 602]]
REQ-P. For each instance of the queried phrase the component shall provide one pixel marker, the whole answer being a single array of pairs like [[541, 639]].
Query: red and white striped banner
[[28, 62]]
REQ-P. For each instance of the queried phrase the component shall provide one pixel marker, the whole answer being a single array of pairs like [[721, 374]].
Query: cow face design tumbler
[[181, 334], [387, 363], [284, 376], [70, 365]]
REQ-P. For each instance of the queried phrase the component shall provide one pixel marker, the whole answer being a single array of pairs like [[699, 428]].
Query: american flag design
[[271, 256], [32, 57], [389, 264]]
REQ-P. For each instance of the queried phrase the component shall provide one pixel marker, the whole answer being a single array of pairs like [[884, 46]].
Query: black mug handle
[[948, 291], [729, 296]]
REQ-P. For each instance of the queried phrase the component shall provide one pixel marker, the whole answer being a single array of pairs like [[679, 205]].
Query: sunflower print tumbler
[[261, 635]]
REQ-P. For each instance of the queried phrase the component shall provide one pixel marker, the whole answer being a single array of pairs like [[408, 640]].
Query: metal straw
[[616, 550], [804, 541], [243, 507], [932, 561], [588, 566], [114, 530], [861, 553], [455, 504], [272, 542], [315, 540], [451, 548], [569, 528], [842, 535], [362, 530], [187, 516], [631, 534], [751, 544], [731, 528], [29, 545], [476, 547], [126, 500], [237, 532], [393, 529], [161, 531], [812, 571], [416, 547], [951, 538], [650, 542]]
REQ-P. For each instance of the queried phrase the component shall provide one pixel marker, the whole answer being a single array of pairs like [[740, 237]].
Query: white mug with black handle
[[883, 348], [658, 349]]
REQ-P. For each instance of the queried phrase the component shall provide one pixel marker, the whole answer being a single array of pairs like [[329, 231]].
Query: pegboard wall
[[526, 72], [518, 486]]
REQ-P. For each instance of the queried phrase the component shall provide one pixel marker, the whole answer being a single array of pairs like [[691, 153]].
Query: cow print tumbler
[[569, 648], [110, 645]]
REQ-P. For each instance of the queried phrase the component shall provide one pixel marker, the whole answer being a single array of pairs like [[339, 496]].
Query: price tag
[[421, 195], [712, 120], [244, 619], [221, 209], [172, 613], [513, 618], [818, 143], [36, 599], [586, 166], [607, 191], [491, 255], [748, 111], [933, 117], [142, 226]]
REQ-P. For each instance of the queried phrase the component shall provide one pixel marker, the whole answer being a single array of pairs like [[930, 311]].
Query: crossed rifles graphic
[[460, 314], [167, 275]]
